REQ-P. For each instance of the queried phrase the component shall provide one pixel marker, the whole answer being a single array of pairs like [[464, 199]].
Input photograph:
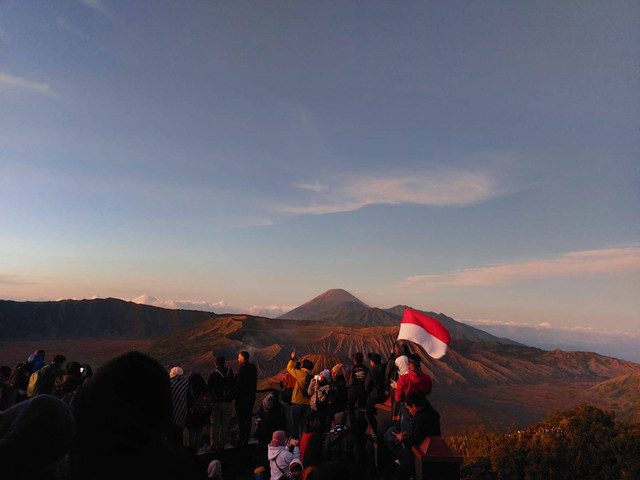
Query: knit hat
[[294, 462], [308, 364], [175, 371], [278, 439], [268, 401], [402, 362], [327, 375], [215, 469]]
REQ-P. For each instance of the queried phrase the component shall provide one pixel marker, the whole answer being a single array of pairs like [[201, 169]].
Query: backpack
[[20, 376], [227, 388], [33, 380], [355, 376], [304, 388], [204, 404]]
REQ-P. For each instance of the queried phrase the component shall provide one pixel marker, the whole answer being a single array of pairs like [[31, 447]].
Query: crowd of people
[[136, 419]]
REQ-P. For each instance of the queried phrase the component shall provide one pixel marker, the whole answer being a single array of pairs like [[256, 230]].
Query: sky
[[478, 159]]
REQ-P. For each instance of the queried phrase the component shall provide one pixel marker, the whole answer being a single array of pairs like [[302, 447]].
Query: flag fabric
[[425, 331]]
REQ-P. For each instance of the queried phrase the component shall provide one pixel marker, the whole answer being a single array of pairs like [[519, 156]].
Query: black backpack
[[304, 388], [227, 387], [20, 376]]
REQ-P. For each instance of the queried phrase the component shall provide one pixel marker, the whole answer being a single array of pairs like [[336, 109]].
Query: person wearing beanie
[[300, 400], [280, 454], [319, 399]]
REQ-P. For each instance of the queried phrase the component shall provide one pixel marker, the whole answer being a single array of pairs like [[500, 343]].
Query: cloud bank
[[269, 311], [448, 187], [200, 305], [590, 262]]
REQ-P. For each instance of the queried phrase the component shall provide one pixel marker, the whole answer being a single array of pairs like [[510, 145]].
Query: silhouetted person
[[374, 386], [48, 375], [66, 384], [246, 385], [221, 385], [123, 414], [196, 419], [356, 395], [44, 418]]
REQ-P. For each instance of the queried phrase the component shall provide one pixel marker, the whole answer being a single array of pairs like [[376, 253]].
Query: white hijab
[[402, 362]]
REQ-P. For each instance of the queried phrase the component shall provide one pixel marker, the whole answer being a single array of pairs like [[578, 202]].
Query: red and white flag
[[425, 331]]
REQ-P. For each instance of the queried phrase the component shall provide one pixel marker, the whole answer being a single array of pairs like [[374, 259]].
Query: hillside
[[99, 318], [623, 393]]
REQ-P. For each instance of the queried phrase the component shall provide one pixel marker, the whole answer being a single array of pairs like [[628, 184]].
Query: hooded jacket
[[279, 459], [300, 374], [414, 381]]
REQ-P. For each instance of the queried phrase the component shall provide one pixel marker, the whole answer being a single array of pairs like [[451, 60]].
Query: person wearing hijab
[[214, 471]]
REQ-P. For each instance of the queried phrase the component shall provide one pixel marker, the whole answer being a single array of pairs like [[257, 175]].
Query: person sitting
[[426, 423]]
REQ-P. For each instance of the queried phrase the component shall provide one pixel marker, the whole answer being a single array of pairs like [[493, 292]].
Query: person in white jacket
[[280, 454]]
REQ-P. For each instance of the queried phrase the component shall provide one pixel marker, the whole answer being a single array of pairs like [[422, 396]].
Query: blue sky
[[478, 159]]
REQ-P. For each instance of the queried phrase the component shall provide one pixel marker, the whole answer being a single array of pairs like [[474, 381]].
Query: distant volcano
[[326, 305]]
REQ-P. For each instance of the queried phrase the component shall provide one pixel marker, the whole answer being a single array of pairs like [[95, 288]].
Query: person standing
[[356, 395], [374, 386], [179, 385], [300, 399], [221, 384], [246, 385]]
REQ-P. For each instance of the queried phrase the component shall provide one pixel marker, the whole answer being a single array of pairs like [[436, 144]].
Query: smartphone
[[81, 369]]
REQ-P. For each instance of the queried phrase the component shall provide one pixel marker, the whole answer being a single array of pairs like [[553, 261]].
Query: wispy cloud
[[448, 187], [590, 262], [11, 81]]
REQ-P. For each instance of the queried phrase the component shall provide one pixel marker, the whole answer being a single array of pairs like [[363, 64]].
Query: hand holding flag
[[425, 331]]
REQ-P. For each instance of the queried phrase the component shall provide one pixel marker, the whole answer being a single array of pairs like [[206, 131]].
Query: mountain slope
[[98, 318]]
